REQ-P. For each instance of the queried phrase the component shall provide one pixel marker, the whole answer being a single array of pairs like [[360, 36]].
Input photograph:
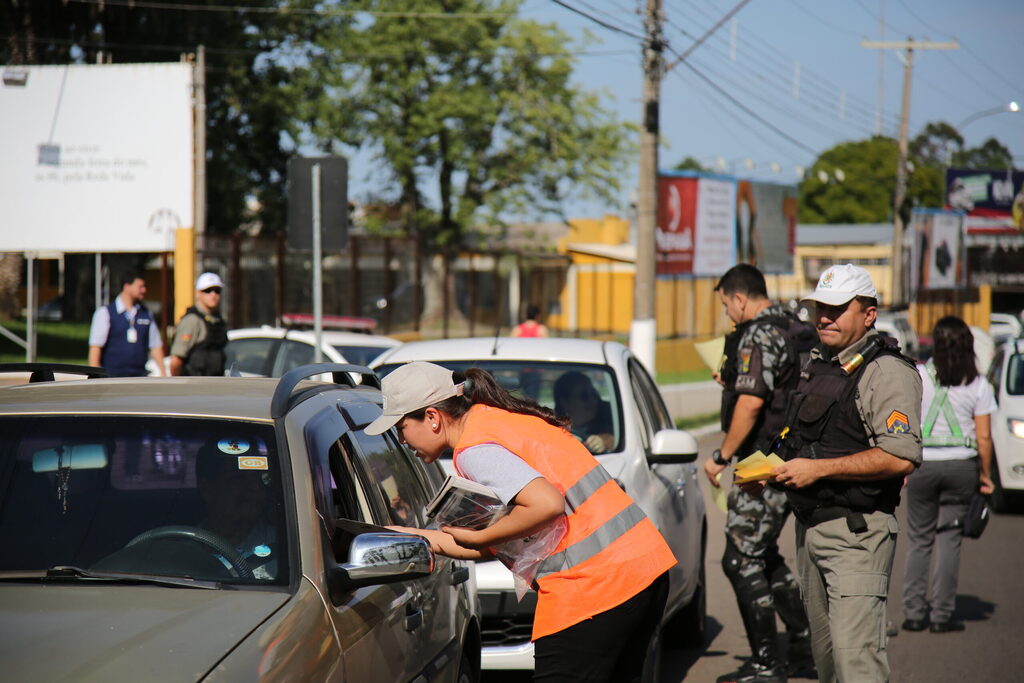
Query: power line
[[824, 22], [594, 19]]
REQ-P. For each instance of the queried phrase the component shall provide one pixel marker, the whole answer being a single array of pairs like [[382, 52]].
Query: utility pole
[[909, 45], [643, 331]]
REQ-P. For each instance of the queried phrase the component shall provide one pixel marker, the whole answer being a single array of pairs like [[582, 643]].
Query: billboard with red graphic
[[695, 232]]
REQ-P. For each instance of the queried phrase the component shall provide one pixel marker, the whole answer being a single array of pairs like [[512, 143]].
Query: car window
[[359, 355], [646, 392], [292, 354], [995, 372], [1015, 375], [250, 355], [394, 478], [586, 393], [168, 496]]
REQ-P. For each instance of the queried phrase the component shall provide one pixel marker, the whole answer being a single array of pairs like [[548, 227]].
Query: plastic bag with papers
[[523, 555]]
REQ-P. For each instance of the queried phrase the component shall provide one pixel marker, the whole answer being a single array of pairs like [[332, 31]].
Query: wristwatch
[[716, 457]]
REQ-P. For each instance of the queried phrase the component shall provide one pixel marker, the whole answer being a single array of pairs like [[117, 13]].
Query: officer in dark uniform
[[762, 366], [853, 433], [202, 334], [123, 334]]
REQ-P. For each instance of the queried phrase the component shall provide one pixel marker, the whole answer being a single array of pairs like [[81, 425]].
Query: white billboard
[[95, 158]]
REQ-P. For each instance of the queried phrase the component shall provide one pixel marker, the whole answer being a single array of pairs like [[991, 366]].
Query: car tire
[[687, 628]]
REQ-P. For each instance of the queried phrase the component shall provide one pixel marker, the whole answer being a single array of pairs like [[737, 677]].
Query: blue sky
[[835, 99]]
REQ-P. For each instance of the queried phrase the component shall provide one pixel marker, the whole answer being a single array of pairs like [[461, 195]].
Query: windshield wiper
[[70, 572]]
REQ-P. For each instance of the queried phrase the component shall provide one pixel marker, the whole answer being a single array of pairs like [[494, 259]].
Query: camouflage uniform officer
[[853, 433], [762, 366]]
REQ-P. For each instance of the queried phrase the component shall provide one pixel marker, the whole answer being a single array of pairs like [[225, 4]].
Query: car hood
[[76, 632]]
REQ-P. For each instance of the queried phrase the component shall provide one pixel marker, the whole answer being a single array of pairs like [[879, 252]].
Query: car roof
[[332, 337], [244, 398], [547, 349]]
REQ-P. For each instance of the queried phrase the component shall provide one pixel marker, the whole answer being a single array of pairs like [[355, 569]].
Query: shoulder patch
[[897, 423], [745, 361]]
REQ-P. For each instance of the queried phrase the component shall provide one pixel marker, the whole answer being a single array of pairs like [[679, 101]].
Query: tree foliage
[[868, 168], [688, 163], [477, 111]]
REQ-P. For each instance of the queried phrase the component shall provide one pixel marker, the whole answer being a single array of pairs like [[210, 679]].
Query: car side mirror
[[379, 558], [672, 447]]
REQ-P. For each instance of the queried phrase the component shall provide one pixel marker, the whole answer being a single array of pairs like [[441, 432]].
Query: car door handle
[[413, 617], [459, 575]]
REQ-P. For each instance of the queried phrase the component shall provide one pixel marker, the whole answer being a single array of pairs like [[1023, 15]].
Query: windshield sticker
[[252, 462], [233, 446], [261, 550]]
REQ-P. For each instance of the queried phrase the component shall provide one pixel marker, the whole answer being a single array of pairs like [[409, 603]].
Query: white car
[[1007, 377], [1003, 326], [898, 327], [651, 460], [272, 351]]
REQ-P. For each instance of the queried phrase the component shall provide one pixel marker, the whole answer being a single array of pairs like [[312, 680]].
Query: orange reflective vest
[[611, 550]]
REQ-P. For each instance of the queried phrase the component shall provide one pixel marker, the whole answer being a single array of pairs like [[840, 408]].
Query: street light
[[1011, 107]]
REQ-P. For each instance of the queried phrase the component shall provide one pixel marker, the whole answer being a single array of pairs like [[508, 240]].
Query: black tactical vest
[[824, 423], [800, 339], [207, 357]]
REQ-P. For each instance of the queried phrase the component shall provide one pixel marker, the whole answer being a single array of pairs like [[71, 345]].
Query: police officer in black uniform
[[762, 366], [202, 334], [852, 433]]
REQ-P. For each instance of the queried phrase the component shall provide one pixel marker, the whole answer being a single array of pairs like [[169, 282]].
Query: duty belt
[[814, 516]]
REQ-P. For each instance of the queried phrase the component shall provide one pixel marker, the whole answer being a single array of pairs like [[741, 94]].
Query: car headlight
[[1016, 427]]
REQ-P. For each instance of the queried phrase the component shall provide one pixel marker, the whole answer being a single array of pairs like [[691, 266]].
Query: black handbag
[[975, 519]]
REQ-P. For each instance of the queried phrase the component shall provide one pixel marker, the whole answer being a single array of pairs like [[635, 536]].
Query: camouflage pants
[[763, 583]]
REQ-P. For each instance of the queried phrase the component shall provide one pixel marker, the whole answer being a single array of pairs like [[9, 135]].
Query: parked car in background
[[896, 325], [1007, 377], [1003, 326], [643, 451], [272, 351], [220, 529]]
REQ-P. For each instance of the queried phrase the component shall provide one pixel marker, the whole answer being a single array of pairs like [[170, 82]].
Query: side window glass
[[643, 408], [652, 397], [397, 483], [250, 355], [291, 355], [995, 371]]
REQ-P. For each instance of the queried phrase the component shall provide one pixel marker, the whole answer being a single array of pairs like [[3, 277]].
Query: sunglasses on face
[[212, 290]]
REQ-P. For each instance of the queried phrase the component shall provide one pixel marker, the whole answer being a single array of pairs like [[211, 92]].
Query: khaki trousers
[[844, 581]]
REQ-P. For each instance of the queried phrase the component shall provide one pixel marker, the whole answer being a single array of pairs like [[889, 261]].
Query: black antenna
[[497, 310]]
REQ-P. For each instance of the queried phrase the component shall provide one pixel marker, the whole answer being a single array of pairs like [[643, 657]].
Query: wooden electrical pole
[[643, 331], [896, 260]]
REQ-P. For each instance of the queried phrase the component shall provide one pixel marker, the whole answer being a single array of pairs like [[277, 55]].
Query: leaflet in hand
[[756, 467], [464, 503]]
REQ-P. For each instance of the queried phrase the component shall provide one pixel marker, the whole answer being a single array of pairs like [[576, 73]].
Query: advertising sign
[[96, 158], [937, 250], [766, 225], [695, 232], [992, 199]]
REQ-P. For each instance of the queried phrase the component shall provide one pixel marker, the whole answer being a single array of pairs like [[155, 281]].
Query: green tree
[[688, 163], [475, 108]]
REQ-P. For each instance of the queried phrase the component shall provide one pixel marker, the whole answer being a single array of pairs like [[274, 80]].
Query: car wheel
[[999, 499]]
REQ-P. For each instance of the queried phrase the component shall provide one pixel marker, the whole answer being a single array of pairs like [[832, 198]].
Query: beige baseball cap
[[411, 387], [838, 284]]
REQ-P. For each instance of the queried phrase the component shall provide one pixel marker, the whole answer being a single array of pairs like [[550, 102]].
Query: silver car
[[219, 529]]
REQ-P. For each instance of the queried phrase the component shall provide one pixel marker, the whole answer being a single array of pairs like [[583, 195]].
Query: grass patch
[[684, 376], [56, 342], [694, 421]]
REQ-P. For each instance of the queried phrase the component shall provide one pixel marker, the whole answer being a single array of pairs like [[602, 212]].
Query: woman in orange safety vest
[[602, 588]]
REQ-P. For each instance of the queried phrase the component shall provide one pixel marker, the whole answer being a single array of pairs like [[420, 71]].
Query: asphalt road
[[990, 600]]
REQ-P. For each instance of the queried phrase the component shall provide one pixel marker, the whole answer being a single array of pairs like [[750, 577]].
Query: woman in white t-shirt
[[956, 408]]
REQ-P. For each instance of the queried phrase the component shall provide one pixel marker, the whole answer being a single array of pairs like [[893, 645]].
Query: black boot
[[764, 665], [800, 662], [754, 672]]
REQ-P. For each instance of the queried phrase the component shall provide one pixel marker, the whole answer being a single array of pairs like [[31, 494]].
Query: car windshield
[[359, 355], [585, 393], [1015, 375], [143, 495]]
